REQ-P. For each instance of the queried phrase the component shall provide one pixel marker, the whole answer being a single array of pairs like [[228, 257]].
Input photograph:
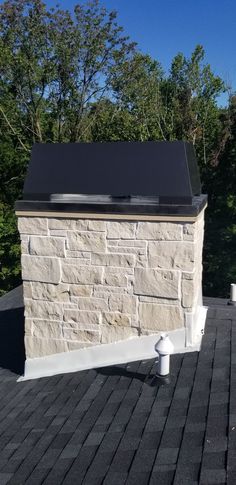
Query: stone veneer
[[89, 281]]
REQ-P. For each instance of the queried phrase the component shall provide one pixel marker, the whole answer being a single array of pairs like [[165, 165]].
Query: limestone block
[[92, 304], [47, 246], [121, 230], [115, 333], [158, 283], [78, 254], [61, 224], [27, 289], [188, 276], [87, 241], [113, 242], [113, 260], [43, 309], [191, 286], [124, 250], [39, 347], [28, 327], [83, 326], [47, 329], [58, 233], [113, 278], [119, 270], [122, 303], [101, 294], [68, 224], [141, 261], [188, 293], [77, 261], [189, 231], [33, 225], [81, 335], [131, 243], [171, 255], [50, 292], [81, 290], [96, 225], [115, 318], [145, 332], [39, 268], [74, 345], [101, 291], [160, 317], [199, 234], [87, 318], [158, 301], [81, 275], [135, 322], [81, 225], [24, 247], [130, 284], [159, 231], [72, 304]]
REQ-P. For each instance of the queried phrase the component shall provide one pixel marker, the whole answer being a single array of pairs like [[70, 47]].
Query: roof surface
[[119, 425]]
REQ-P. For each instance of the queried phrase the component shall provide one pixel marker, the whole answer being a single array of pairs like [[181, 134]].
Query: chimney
[[111, 239]]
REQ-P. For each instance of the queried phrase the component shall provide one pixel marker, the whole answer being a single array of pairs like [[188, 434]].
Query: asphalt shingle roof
[[120, 425]]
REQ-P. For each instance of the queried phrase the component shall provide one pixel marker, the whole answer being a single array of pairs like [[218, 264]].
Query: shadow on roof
[[151, 379], [12, 349]]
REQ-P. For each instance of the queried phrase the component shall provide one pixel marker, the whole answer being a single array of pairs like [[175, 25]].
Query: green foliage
[[70, 78], [108, 122], [220, 246], [9, 250], [220, 240], [53, 65]]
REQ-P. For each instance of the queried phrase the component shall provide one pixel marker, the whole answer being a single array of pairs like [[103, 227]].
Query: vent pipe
[[164, 348], [232, 294]]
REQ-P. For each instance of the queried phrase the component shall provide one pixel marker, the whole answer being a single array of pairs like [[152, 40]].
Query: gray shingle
[[122, 425]]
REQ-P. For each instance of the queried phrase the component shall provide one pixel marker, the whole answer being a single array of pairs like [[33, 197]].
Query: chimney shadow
[[12, 348]]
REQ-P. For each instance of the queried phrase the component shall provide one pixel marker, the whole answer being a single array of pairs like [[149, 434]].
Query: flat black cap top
[[122, 169]]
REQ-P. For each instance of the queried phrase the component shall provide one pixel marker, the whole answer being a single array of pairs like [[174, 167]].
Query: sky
[[162, 28]]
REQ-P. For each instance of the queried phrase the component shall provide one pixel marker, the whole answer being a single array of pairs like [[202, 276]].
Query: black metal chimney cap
[[123, 171]]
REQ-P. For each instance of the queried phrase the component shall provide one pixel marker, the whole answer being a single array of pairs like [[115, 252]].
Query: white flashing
[[138, 348], [200, 323], [195, 324]]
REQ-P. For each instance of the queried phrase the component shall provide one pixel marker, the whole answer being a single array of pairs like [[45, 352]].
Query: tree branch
[[13, 130]]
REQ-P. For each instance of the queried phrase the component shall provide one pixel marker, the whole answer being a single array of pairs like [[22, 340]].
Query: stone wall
[[94, 281]]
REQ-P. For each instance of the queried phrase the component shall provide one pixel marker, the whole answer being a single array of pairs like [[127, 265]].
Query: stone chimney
[[114, 268]]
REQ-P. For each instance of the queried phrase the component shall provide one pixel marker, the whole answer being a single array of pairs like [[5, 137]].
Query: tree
[[180, 105], [220, 240], [53, 65], [75, 77]]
